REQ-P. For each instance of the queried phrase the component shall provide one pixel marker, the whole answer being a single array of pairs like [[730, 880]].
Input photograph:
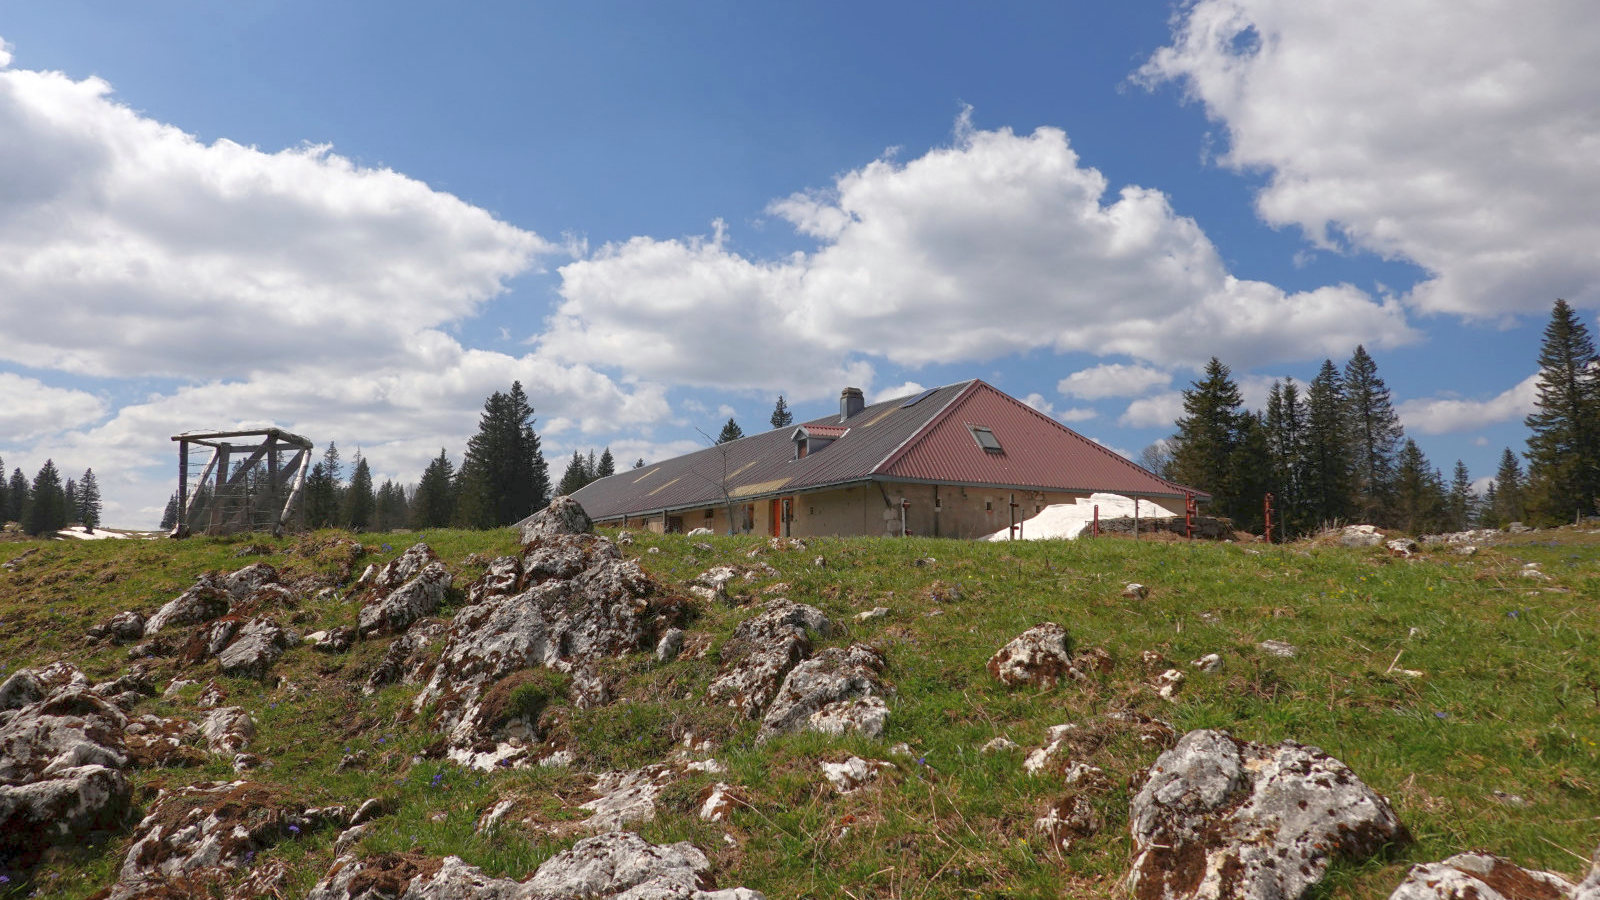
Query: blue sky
[[356, 220]]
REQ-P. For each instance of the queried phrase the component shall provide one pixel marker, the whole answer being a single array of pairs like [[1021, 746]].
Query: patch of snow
[[80, 533], [1063, 521]]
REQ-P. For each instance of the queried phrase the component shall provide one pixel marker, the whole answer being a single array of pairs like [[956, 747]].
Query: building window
[[711, 514], [986, 439], [988, 506]]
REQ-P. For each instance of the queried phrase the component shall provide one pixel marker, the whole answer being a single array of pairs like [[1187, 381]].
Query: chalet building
[[964, 460]]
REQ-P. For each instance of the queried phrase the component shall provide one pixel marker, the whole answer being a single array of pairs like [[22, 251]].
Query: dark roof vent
[[851, 401]]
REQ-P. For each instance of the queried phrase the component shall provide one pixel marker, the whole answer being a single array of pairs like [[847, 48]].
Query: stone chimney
[[851, 402]]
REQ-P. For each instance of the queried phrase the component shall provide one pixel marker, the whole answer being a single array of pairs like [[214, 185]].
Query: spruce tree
[[359, 502], [47, 509], [576, 476], [730, 432], [389, 510], [71, 501], [1509, 488], [1249, 476], [1460, 505], [638, 463], [1286, 435], [607, 466], [5, 495], [89, 500], [781, 415], [17, 496], [323, 491], [1374, 431], [1419, 499], [434, 505], [1564, 449], [1203, 448], [503, 475], [169, 515], [1326, 483]]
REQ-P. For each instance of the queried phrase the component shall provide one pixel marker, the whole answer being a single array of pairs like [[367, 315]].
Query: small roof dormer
[[808, 439]]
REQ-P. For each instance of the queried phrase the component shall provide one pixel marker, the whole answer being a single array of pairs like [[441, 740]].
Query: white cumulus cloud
[[998, 244], [1445, 415], [128, 247], [29, 408], [1112, 380], [1459, 136]]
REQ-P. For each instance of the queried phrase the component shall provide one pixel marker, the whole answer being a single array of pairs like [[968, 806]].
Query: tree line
[[47, 505], [1336, 451]]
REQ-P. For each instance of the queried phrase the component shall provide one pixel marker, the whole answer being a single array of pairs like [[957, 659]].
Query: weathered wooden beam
[[183, 488], [287, 437]]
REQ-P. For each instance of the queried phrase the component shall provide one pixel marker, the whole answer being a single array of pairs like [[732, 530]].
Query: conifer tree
[[1286, 434], [1249, 477], [47, 509], [1375, 432], [5, 494], [434, 505], [1508, 491], [730, 432], [638, 463], [1461, 500], [89, 500], [503, 475], [389, 510], [607, 466], [17, 496], [1564, 449], [1203, 448], [169, 516], [323, 490], [1483, 515], [71, 501], [1326, 484], [780, 414], [577, 475], [359, 501], [1419, 501]]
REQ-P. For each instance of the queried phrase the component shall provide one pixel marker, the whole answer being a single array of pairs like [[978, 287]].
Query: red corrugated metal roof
[[1036, 451]]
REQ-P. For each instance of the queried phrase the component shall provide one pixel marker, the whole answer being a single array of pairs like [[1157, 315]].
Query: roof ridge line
[[921, 432]]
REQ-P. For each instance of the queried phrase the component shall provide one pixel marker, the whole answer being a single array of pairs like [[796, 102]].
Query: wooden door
[[775, 518]]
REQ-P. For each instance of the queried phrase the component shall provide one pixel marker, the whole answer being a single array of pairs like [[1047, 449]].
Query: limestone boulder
[[1480, 876], [393, 611], [257, 645], [62, 762], [1042, 656], [503, 577], [122, 628], [199, 835], [1220, 818], [836, 691], [564, 515], [761, 653], [207, 599], [614, 866], [607, 610]]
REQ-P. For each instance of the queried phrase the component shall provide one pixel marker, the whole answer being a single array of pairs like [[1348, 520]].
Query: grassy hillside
[[1506, 705]]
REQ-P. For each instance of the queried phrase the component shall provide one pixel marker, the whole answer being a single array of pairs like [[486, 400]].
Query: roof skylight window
[[986, 439]]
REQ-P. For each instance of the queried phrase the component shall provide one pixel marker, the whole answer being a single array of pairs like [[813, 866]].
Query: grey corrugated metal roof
[[763, 465]]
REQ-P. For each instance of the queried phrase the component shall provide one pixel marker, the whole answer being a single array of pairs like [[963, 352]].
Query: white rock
[[1210, 664], [1282, 649], [853, 773]]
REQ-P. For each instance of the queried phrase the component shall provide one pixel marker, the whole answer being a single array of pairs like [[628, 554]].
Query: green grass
[[1509, 700]]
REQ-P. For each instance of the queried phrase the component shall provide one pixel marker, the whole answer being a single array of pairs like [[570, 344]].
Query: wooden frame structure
[[269, 444]]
